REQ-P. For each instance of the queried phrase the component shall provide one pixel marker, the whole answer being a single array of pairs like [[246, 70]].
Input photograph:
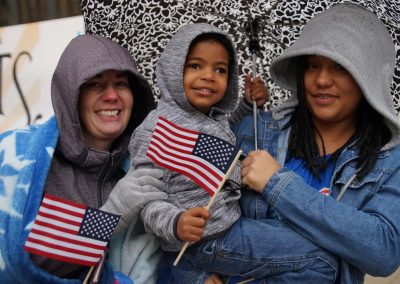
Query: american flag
[[203, 158], [70, 232]]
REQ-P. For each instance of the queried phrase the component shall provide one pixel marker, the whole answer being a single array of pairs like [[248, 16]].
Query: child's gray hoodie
[[160, 216]]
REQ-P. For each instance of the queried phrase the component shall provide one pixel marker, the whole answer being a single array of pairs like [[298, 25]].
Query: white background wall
[[32, 50]]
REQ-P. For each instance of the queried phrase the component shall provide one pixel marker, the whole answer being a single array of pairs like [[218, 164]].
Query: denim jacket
[[362, 229]]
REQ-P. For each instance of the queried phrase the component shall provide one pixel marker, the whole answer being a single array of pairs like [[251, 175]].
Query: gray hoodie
[[79, 173], [370, 58], [160, 216]]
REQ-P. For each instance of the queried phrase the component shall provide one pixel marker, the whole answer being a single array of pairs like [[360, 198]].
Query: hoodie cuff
[[176, 226]]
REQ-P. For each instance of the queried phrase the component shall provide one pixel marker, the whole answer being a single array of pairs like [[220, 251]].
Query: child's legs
[[263, 249], [253, 205], [183, 272], [316, 272]]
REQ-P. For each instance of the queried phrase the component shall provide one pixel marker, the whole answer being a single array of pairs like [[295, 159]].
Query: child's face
[[205, 75]]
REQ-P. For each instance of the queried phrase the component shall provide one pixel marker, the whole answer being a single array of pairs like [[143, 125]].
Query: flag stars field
[[214, 150]]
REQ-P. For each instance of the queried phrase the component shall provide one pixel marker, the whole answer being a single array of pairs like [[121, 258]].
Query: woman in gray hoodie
[[98, 98]]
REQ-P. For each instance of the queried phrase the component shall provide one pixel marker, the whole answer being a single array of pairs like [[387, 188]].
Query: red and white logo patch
[[325, 191]]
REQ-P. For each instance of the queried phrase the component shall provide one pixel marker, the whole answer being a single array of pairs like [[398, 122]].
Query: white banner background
[[32, 50]]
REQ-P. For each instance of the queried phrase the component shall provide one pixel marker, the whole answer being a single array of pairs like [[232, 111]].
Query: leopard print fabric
[[144, 27]]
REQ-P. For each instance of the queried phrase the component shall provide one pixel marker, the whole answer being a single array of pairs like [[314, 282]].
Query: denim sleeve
[[366, 236]]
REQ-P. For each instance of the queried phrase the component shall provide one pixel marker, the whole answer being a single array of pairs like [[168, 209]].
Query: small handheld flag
[[206, 159], [203, 158], [70, 232]]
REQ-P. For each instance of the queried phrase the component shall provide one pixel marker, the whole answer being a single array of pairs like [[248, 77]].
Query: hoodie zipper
[[108, 165]]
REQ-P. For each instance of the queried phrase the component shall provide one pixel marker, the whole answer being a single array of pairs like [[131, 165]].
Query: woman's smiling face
[[332, 94], [105, 107]]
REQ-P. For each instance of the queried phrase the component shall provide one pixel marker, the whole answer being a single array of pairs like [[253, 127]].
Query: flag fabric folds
[[70, 232], [203, 158]]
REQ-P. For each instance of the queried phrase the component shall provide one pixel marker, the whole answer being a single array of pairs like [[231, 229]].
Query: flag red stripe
[[61, 200], [178, 127], [188, 174], [61, 258], [55, 233], [88, 244], [163, 152], [191, 140], [171, 140], [63, 248], [58, 228], [58, 218], [188, 167], [63, 210]]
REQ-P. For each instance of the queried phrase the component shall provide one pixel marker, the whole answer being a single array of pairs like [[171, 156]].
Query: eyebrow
[[202, 59], [223, 63], [122, 74], [119, 74]]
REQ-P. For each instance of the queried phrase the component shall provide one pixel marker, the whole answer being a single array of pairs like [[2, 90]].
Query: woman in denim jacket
[[338, 134]]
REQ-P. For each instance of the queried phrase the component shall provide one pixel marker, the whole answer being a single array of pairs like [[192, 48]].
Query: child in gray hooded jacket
[[197, 74]]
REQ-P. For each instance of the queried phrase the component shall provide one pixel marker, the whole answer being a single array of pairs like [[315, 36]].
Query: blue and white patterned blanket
[[25, 159]]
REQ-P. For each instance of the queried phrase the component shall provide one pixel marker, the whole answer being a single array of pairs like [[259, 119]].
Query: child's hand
[[257, 169], [213, 279], [255, 90], [191, 224]]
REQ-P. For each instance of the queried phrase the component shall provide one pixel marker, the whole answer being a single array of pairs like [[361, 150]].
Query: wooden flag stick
[[99, 269], [88, 275], [211, 202], [246, 281], [228, 173]]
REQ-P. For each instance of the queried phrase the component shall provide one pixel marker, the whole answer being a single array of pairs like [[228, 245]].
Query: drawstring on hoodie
[[345, 187], [347, 184]]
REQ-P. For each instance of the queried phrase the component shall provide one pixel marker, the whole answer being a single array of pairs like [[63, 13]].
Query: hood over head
[[356, 39], [170, 66], [84, 57]]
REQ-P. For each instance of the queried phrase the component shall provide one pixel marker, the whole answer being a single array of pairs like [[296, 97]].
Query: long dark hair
[[371, 133]]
